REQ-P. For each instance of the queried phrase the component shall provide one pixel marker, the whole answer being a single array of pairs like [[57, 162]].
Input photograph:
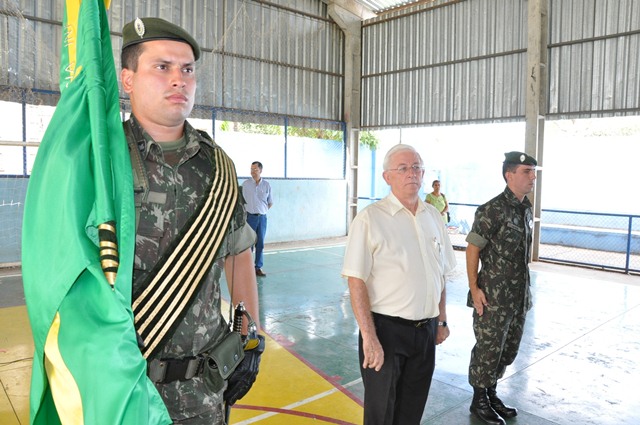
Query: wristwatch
[[443, 324]]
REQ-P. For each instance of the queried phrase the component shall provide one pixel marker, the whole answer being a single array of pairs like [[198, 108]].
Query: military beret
[[147, 29], [519, 158]]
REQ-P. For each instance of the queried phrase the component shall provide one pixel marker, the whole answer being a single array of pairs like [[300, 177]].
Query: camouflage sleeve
[[244, 238], [484, 226], [476, 239], [241, 236]]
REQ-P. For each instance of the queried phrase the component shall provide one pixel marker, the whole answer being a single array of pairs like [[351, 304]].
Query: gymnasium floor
[[578, 362]]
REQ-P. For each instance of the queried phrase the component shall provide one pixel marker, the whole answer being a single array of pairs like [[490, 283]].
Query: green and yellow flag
[[87, 368]]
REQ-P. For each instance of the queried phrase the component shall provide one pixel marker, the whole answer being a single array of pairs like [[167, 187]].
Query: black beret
[[147, 29], [519, 158]]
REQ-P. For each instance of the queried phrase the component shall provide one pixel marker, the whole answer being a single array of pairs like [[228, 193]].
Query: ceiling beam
[[353, 7]]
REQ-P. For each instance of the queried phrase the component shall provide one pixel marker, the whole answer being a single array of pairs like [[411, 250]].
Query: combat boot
[[501, 409], [481, 407]]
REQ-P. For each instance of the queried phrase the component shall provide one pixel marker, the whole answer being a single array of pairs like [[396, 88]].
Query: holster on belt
[[222, 360]]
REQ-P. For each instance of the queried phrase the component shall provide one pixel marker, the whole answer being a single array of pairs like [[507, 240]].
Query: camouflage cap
[[147, 29], [519, 158]]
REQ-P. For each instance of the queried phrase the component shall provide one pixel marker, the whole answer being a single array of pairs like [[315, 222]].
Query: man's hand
[[479, 300], [443, 333], [473, 261], [373, 353]]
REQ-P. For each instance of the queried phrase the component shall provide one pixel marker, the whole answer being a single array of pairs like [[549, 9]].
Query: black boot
[[481, 407], [501, 409]]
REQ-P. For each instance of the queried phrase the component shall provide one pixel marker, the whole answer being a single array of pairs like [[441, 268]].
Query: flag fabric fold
[[87, 367]]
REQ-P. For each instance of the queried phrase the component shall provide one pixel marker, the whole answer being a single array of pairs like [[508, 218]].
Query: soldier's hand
[[243, 378], [373, 354], [479, 301]]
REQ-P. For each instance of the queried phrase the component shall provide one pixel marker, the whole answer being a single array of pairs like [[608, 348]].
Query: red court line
[[294, 413], [326, 377]]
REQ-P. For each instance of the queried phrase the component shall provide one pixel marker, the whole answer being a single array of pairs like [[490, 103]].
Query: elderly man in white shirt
[[398, 253]]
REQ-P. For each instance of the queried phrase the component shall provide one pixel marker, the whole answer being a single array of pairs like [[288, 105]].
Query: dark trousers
[[259, 224], [397, 394]]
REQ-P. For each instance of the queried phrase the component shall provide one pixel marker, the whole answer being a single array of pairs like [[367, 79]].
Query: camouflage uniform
[[174, 193], [502, 230]]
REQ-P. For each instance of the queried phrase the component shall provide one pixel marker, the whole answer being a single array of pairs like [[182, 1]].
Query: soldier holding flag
[[185, 178], [123, 292]]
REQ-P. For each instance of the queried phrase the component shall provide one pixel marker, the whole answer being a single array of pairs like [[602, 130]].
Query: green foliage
[[369, 139], [315, 133], [252, 128]]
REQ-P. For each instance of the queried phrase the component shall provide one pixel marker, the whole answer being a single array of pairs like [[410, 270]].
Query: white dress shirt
[[403, 259]]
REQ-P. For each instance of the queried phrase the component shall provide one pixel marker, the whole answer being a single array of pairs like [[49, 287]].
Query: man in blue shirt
[[257, 196]]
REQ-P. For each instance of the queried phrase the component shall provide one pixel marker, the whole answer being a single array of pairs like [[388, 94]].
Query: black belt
[[415, 323], [257, 215]]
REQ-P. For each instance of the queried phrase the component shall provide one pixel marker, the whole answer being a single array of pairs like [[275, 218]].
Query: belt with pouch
[[216, 365]]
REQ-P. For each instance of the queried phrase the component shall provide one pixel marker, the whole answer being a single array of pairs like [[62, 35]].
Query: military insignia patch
[[139, 26], [522, 157]]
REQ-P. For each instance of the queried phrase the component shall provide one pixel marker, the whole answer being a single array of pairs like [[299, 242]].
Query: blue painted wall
[[596, 239], [306, 209], [12, 193], [302, 209]]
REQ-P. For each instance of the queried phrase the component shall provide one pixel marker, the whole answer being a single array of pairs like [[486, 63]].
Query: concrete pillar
[[348, 15], [536, 102]]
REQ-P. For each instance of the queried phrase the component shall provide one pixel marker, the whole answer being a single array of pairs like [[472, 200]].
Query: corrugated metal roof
[[465, 62]]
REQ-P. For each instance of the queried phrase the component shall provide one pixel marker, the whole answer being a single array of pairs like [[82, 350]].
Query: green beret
[[519, 158], [147, 29]]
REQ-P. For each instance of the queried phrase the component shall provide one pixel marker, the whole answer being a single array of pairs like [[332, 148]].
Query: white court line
[[312, 248], [299, 403]]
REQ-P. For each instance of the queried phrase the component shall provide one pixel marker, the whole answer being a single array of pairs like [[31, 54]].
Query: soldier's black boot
[[481, 407], [501, 409]]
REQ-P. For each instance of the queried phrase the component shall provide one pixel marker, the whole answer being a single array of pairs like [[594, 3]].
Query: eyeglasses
[[417, 169]]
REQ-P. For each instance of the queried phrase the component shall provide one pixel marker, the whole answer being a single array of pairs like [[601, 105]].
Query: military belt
[[415, 323], [162, 371]]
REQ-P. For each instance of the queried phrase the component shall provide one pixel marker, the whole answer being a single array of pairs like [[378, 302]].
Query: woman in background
[[439, 201]]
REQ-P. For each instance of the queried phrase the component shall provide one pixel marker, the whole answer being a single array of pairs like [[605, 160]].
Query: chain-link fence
[[609, 241]]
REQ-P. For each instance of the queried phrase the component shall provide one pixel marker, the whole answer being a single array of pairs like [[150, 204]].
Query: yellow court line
[[16, 355], [287, 389], [290, 391], [296, 404]]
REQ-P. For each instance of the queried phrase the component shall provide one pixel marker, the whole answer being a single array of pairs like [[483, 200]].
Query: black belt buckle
[[422, 323]]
